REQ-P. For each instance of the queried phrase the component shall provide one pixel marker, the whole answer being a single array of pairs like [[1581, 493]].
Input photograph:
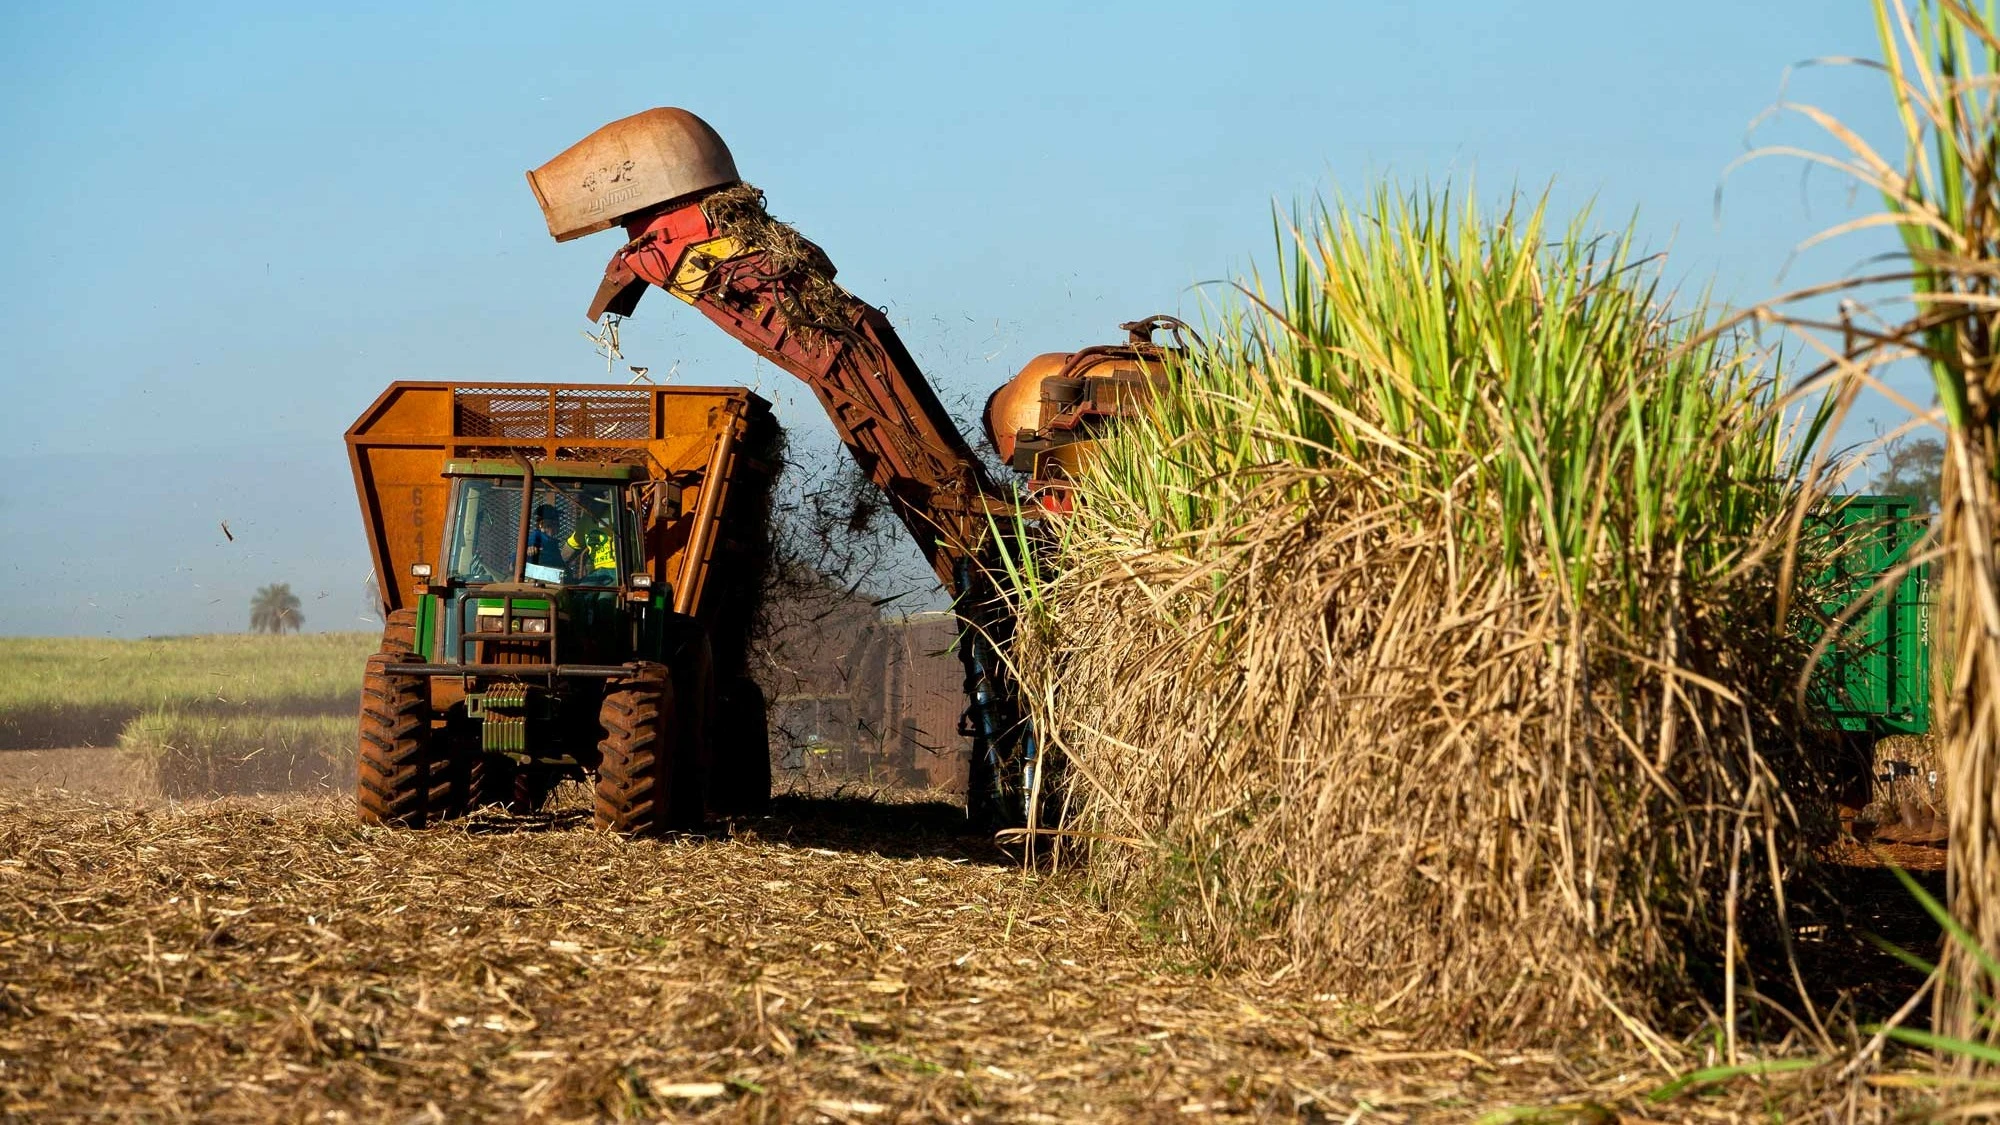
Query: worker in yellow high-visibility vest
[[593, 543]]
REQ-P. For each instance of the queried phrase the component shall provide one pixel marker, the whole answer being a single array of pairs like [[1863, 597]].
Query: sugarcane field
[[1182, 563]]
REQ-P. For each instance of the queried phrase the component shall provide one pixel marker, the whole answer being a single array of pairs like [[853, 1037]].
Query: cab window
[[573, 536]]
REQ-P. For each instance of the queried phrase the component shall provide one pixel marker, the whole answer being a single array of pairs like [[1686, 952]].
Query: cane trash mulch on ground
[[271, 959]]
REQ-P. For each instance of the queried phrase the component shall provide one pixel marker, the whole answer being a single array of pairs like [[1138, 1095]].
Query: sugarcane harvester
[[694, 229]]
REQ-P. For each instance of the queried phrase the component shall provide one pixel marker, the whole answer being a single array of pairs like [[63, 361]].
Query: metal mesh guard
[[540, 414]]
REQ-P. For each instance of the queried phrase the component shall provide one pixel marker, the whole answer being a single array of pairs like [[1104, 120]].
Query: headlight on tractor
[[490, 619]]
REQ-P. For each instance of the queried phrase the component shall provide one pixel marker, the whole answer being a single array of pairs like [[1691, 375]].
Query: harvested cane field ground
[[270, 959], [267, 958]]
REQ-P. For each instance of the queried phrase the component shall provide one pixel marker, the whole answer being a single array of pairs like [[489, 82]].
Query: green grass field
[[64, 691]]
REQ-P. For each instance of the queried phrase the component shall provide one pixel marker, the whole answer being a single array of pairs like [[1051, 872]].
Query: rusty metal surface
[[925, 698], [881, 406], [773, 291], [886, 414], [707, 528], [629, 165], [401, 444], [1056, 403], [882, 409], [1016, 404]]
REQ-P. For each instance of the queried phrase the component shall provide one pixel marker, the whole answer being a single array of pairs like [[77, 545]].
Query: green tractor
[[570, 575]]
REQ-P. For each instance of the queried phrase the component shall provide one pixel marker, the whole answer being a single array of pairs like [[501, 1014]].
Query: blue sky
[[228, 227]]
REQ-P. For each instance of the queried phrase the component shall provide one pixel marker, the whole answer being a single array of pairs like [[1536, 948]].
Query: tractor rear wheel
[[532, 786], [635, 757], [489, 778], [406, 775], [499, 780], [743, 752]]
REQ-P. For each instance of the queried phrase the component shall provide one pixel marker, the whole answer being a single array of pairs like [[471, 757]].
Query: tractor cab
[[562, 580]]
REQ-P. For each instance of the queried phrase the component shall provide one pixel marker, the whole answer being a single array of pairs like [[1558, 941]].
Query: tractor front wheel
[[405, 779], [399, 631], [635, 757]]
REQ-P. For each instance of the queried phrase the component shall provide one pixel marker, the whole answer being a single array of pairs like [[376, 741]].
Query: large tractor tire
[[696, 709], [743, 752], [407, 778], [498, 780], [399, 635], [489, 778], [532, 786], [635, 775]]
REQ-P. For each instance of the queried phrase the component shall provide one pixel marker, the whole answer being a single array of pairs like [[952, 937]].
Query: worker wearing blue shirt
[[544, 546]]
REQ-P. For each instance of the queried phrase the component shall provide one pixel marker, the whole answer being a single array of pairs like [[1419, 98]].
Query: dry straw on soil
[[1445, 675], [273, 960]]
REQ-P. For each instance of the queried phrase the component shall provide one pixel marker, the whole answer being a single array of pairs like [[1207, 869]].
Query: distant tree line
[[1913, 468]]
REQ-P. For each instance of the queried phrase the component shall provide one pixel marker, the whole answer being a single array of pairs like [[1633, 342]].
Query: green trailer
[[1876, 680]]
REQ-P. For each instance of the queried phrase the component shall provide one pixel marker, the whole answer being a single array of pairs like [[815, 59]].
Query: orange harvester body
[[668, 180]]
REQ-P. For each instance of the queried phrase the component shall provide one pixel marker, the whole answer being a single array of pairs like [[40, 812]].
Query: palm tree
[[275, 609]]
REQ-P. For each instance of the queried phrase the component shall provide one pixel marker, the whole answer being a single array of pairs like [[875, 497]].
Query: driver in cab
[[591, 549], [544, 547]]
